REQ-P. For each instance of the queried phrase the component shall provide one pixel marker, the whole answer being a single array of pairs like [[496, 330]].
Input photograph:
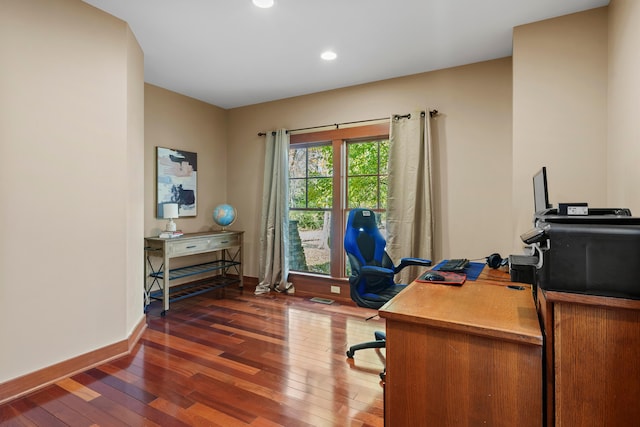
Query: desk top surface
[[486, 307]]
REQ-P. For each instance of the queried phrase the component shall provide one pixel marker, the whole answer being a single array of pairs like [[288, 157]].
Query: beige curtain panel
[[274, 221], [409, 208]]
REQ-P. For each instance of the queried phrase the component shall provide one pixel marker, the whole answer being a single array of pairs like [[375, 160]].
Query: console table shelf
[[192, 270], [225, 247], [177, 293]]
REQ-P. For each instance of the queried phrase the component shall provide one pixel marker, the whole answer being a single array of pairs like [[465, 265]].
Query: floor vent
[[322, 300]]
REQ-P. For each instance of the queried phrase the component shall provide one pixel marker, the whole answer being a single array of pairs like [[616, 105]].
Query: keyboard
[[455, 265]]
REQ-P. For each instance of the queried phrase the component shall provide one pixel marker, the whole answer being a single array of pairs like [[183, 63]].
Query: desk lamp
[[170, 211]]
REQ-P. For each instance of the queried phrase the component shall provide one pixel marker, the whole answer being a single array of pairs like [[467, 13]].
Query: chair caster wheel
[[350, 354]]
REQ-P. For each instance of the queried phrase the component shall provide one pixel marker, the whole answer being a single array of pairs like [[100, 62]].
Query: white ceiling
[[230, 53]]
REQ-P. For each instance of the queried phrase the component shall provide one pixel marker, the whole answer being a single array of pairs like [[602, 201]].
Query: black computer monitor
[[540, 193]]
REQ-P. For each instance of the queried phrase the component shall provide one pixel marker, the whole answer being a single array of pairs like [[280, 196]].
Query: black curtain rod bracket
[[432, 113], [272, 133]]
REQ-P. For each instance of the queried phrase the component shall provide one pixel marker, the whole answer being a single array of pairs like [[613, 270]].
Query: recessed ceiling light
[[263, 3], [328, 55]]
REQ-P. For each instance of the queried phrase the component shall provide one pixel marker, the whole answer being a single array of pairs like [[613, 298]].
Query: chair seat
[[379, 299]]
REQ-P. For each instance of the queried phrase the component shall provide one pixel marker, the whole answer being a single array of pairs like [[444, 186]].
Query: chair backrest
[[365, 245], [363, 239]]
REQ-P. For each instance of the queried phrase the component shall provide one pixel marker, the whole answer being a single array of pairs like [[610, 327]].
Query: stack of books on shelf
[[170, 234]]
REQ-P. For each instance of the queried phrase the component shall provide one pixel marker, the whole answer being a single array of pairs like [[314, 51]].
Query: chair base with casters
[[378, 343]]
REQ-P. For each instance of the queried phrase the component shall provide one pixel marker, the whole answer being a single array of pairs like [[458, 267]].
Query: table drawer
[[201, 244], [225, 241]]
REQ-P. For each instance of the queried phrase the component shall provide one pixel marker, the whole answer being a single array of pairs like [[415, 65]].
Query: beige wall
[[135, 180], [176, 121], [624, 105], [560, 111], [472, 144], [71, 139]]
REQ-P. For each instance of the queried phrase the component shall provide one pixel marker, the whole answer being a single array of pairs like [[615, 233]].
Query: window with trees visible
[[331, 173]]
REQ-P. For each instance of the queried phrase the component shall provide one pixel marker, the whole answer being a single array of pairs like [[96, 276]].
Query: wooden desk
[[463, 356]]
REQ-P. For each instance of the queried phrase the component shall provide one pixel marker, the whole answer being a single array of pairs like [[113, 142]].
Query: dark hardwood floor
[[236, 360]]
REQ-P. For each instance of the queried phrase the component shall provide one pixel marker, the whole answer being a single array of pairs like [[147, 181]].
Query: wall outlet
[[335, 289]]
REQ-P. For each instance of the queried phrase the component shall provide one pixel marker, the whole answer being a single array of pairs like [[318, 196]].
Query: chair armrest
[[405, 262], [373, 271]]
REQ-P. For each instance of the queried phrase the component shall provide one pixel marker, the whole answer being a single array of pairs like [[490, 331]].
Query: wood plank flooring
[[239, 360]]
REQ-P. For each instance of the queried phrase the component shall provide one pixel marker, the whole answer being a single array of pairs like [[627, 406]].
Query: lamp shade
[[170, 210]]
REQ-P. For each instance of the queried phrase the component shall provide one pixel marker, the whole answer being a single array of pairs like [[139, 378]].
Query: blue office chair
[[372, 270]]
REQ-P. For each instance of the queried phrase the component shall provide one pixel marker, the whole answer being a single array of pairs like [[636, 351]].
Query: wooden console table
[[225, 247], [463, 356]]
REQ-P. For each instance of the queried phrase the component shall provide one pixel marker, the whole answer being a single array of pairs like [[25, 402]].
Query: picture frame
[[177, 180]]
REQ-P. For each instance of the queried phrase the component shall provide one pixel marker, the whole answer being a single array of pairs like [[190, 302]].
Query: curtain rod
[[432, 113]]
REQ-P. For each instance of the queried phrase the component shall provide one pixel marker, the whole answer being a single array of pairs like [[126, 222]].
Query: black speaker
[[495, 260]]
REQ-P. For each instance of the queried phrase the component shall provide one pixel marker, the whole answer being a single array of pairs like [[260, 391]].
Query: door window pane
[[309, 245], [367, 174], [310, 204]]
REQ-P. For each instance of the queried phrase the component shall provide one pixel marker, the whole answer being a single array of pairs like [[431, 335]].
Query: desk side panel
[[438, 377], [597, 365], [545, 310]]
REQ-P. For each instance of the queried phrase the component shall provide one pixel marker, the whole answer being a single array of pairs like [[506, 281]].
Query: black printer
[[597, 253]]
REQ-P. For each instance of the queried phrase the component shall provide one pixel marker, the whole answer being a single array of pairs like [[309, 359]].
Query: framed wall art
[[177, 179]]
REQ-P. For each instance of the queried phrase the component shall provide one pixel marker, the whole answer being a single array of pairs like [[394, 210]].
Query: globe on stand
[[224, 215]]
